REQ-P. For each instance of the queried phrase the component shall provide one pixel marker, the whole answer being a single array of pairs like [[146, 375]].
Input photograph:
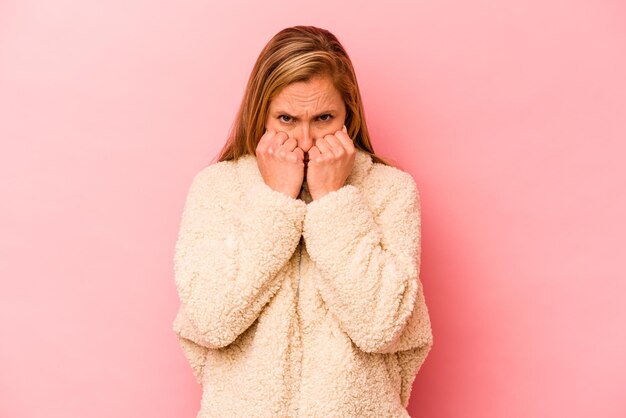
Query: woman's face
[[307, 111]]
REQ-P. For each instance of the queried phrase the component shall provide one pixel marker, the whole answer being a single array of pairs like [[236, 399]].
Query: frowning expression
[[307, 110]]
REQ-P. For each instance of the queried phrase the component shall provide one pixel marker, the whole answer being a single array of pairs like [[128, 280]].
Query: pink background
[[511, 116]]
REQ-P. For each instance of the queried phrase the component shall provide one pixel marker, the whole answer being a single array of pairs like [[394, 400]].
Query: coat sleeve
[[414, 344], [195, 353], [228, 253], [369, 263]]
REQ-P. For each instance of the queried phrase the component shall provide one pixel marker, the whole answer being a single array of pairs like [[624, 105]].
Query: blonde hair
[[294, 54]]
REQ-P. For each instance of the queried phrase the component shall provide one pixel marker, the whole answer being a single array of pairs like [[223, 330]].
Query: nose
[[304, 137]]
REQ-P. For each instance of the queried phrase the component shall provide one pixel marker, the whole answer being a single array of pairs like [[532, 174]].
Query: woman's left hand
[[330, 163]]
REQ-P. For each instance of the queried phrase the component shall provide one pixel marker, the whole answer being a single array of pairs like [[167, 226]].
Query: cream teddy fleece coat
[[300, 307]]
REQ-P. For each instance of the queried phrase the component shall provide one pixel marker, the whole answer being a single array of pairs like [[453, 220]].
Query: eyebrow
[[282, 112]]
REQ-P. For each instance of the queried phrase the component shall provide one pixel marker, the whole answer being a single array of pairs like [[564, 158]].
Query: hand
[[281, 162], [330, 162]]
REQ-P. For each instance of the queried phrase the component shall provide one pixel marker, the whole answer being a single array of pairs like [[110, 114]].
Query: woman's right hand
[[281, 162]]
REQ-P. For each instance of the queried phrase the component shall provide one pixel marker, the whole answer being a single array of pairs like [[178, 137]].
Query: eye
[[324, 118]]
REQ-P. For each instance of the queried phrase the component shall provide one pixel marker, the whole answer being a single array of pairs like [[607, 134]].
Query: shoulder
[[386, 183], [215, 179], [214, 171]]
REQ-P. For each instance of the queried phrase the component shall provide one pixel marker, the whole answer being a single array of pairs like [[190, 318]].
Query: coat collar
[[249, 170]]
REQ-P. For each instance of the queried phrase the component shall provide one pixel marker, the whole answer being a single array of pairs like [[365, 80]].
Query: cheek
[[270, 122], [274, 124]]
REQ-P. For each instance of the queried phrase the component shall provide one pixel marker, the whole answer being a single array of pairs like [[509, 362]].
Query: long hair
[[296, 54]]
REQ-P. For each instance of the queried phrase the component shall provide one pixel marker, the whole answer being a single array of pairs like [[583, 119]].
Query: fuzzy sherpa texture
[[300, 307]]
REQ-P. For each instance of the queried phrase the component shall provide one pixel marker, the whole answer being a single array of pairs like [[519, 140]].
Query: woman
[[297, 259]]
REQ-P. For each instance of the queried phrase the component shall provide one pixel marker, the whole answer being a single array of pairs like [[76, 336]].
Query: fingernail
[[345, 129]]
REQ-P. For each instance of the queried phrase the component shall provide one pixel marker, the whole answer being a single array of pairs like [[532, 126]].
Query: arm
[[369, 265], [414, 344], [195, 354], [229, 251]]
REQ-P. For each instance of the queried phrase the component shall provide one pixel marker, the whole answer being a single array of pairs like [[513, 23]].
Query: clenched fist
[[281, 162], [330, 162]]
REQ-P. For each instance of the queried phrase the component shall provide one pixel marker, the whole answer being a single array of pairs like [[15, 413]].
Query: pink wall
[[511, 115]]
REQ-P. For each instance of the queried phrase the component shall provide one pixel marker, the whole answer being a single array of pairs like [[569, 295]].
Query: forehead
[[318, 91]]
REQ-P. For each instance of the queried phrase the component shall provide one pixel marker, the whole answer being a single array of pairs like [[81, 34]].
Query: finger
[[280, 137], [344, 137], [290, 144], [276, 141], [287, 149], [314, 152], [299, 153], [336, 144], [265, 138], [323, 147]]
